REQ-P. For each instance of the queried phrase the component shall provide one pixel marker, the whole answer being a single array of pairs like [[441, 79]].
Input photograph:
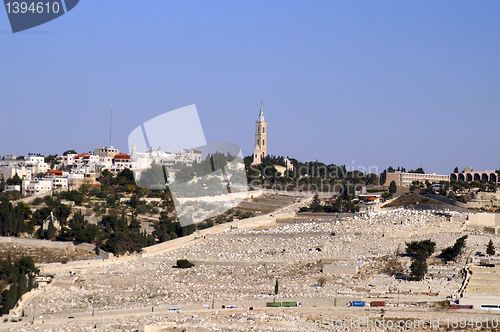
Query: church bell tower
[[260, 150]]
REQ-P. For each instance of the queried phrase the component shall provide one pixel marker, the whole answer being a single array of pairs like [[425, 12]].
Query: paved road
[[140, 314]]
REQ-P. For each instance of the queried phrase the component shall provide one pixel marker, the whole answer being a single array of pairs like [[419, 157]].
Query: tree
[[276, 287], [490, 248], [12, 219], [51, 231], [188, 230], [72, 195], [10, 297], [19, 275], [14, 181], [165, 229], [125, 177], [456, 170], [423, 248], [62, 212], [383, 177], [106, 178], [419, 170], [40, 215], [451, 253], [372, 179], [419, 251], [393, 188], [69, 152], [418, 269], [51, 160], [156, 177], [316, 203], [184, 264]]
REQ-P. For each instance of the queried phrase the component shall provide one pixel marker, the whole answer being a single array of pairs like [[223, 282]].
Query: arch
[[477, 177], [469, 177], [485, 177], [461, 177], [453, 177], [494, 177]]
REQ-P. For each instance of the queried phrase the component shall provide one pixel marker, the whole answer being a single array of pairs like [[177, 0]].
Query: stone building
[[404, 179], [470, 175], [260, 150]]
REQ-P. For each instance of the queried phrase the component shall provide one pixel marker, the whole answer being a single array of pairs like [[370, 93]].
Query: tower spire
[[261, 112]]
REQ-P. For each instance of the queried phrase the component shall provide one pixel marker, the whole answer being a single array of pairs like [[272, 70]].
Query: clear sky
[[414, 83]]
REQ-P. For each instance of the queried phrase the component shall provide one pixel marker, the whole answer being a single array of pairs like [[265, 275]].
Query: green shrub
[[184, 264]]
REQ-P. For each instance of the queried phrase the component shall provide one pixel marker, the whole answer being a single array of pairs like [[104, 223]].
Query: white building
[[8, 171], [403, 179], [25, 168], [76, 180], [67, 160], [12, 187], [59, 183], [86, 161], [36, 187], [35, 159], [121, 161], [107, 151], [105, 162], [143, 160], [36, 163]]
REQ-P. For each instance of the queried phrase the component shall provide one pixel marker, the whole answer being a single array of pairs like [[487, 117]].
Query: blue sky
[[349, 82]]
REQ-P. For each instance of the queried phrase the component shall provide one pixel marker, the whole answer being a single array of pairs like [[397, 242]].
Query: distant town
[[36, 174]]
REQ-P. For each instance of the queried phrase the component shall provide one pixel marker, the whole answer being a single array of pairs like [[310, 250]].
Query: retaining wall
[[38, 243]]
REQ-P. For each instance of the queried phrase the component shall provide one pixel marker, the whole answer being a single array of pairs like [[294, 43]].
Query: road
[[142, 314]]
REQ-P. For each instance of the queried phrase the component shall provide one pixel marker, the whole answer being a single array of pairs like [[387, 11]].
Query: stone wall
[[483, 220], [38, 243]]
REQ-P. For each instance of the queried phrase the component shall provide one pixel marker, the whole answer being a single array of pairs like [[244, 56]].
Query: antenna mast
[[110, 125]]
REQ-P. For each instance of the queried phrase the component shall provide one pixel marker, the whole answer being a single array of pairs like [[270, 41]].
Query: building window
[[263, 142], [263, 130]]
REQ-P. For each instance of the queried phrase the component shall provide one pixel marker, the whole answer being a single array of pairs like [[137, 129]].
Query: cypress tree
[[490, 248], [51, 231], [10, 299]]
